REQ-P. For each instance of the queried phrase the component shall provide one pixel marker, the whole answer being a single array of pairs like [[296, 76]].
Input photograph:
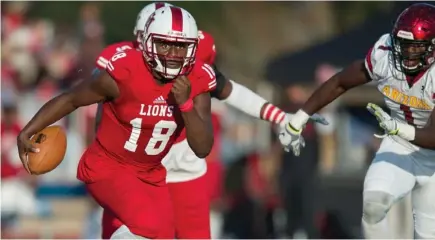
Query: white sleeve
[[377, 60], [245, 100], [252, 104]]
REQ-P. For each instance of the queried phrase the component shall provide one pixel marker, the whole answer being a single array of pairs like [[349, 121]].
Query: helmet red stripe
[[177, 19], [159, 5]]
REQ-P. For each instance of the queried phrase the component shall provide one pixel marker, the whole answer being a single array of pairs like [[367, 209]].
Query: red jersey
[[139, 127], [207, 40]]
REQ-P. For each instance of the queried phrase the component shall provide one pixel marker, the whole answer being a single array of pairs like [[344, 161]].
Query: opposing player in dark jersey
[[150, 96]]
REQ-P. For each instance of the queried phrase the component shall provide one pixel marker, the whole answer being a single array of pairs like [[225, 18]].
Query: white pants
[[397, 171], [400, 219], [182, 164]]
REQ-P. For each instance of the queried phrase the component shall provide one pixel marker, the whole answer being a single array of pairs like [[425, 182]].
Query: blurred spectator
[[10, 128], [298, 175], [332, 226], [214, 174], [39, 59], [13, 14], [17, 188], [91, 32], [327, 139], [251, 194], [23, 47], [239, 215], [262, 186]]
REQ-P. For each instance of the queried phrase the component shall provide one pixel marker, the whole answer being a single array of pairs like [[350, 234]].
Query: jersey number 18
[[162, 132], [159, 139]]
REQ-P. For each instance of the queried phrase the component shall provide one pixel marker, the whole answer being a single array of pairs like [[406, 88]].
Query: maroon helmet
[[413, 38]]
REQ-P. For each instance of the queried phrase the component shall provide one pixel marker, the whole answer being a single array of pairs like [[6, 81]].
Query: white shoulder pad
[[378, 60]]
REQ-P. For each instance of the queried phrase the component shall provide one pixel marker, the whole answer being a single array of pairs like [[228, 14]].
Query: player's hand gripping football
[[24, 147], [386, 122], [291, 138], [181, 89]]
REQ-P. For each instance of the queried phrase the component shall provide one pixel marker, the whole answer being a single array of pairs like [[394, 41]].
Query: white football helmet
[[143, 16], [171, 24]]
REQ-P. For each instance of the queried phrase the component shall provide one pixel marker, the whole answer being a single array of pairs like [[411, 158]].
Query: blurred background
[[282, 50]]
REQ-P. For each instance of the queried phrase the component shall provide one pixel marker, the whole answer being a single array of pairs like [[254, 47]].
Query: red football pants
[[191, 205], [144, 208]]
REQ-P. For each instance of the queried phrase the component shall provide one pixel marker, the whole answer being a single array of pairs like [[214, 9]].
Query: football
[[51, 142]]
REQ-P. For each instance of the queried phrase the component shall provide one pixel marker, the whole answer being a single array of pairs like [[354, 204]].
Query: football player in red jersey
[[150, 97], [185, 171], [401, 64]]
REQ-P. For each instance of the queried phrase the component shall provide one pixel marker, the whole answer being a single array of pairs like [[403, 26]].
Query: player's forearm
[[425, 138], [352, 76], [51, 112], [422, 137], [252, 104], [325, 94], [199, 133]]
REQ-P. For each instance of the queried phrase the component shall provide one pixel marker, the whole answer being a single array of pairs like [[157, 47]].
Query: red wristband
[[187, 106]]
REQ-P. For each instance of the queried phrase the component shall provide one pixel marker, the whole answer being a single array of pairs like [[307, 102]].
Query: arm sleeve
[[246, 100], [249, 102]]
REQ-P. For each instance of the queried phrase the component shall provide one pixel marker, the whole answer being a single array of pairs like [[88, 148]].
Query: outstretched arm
[[86, 93], [352, 76], [247, 101]]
